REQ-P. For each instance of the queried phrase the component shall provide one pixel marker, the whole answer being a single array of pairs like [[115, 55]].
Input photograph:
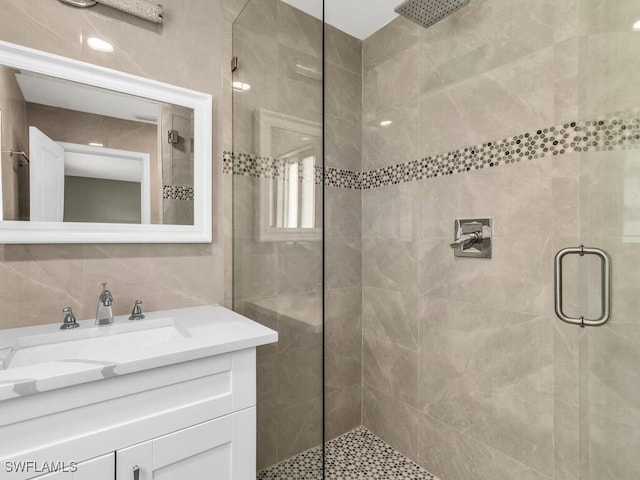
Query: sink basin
[[94, 343]]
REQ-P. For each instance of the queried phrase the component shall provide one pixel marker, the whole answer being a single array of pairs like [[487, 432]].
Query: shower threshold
[[356, 455]]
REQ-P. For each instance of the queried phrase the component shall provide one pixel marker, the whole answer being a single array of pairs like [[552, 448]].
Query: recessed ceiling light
[[385, 123], [241, 86], [636, 26], [95, 144], [100, 45]]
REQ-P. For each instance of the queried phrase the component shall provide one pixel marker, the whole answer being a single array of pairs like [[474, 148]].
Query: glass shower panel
[[278, 225], [609, 195]]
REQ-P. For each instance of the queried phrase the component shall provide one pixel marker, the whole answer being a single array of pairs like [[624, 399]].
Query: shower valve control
[[472, 238]]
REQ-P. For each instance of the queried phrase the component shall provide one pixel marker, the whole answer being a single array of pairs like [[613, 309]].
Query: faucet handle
[[136, 312], [106, 298], [69, 319]]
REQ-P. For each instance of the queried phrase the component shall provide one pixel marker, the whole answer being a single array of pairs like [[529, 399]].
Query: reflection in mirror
[[290, 199], [92, 154]]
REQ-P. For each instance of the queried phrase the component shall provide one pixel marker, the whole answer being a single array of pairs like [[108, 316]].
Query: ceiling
[[359, 18], [56, 92]]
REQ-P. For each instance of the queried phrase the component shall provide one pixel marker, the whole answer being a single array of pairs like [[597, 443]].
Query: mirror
[[90, 154], [291, 198]]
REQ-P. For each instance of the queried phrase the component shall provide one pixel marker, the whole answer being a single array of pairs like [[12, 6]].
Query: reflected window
[[293, 193], [290, 202]]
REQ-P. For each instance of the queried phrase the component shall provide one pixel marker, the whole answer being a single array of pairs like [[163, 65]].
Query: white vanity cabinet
[[184, 410], [217, 449], [193, 420]]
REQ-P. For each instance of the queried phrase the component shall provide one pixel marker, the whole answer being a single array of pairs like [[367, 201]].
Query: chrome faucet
[[104, 314], [136, 313]]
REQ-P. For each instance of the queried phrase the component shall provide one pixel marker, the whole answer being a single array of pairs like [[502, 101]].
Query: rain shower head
[[428, 12]]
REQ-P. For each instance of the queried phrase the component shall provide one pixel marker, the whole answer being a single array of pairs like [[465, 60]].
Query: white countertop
[[212, 330]]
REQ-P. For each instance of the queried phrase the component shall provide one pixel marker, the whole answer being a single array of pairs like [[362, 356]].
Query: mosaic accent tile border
[[619, 132], [336, 177], [177, 192], [266, 167], [600, 135], [356, 455]]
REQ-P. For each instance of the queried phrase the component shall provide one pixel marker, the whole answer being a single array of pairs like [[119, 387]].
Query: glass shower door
[[609, 218], [278, 223]]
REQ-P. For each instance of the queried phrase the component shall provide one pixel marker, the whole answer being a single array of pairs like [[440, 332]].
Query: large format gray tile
[[508, 346], [343, 263], [343, 313], [450, 453], [392, 420], [391, 316], [299, 428], [342, 49], [299, 267], [343, 410], [388, 42], [299, 376], [391, 369], [343, 93], [298, 29], [343, 213], [343, 144], [389, 264], [511, 417], [342, 363]]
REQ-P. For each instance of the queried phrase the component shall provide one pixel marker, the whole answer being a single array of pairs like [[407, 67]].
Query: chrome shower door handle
[[605, 282]]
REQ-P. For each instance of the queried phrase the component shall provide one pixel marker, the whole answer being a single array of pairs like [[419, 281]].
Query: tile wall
[[465, 367], [37, 281], [343, 233]]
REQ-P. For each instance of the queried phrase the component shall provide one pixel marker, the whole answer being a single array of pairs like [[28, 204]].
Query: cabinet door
[[221, 449], [99, 468], [196, 453]]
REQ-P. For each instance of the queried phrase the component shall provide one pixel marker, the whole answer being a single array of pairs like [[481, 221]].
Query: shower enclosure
[[525, 112], [278, 220], [608, 182]]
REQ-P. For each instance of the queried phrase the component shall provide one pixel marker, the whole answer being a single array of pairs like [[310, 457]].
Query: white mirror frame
[[17, 56]]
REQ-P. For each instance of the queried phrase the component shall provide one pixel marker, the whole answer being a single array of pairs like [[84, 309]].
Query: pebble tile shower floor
[[356, 455]]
